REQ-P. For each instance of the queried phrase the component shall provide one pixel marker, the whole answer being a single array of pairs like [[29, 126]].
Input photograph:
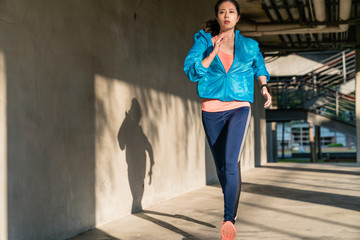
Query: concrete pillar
[[263, 139], [269, 147], [283, 141], [258, 111], [271, 141], [318, 141], [357, 94], [274, 140], [3, 152], [357, 104], [313, 156]]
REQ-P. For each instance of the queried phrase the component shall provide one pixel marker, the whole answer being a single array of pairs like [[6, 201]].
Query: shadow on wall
[[132, 139]]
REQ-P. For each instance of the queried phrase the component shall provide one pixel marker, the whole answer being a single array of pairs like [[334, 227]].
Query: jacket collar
[[208, 36]]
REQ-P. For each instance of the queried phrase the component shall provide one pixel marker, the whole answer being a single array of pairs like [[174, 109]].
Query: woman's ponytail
[[212, 26]]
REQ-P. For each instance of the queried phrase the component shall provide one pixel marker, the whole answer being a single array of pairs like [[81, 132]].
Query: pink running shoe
[[228, 231]]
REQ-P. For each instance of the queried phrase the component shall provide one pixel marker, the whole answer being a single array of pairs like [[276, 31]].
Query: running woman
[[224, 64]]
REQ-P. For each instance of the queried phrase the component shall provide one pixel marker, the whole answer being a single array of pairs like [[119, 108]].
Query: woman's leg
[[226, 132], [238, 125], [215, 126]]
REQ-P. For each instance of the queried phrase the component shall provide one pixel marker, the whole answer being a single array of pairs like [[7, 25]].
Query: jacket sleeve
[[259, 66], [192, 65]]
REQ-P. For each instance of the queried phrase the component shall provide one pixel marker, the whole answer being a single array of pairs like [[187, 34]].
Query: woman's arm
[[208, 60], [220, 40], [262, 75], [193, 67], [262, 80]]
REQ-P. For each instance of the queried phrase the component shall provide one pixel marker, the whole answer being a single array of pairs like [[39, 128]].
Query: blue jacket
[[213, 82]]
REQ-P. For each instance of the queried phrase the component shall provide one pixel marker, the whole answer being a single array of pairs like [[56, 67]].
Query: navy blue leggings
[[226, 132]]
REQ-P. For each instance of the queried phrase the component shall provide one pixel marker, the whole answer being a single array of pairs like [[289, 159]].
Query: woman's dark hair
[[212, 26]]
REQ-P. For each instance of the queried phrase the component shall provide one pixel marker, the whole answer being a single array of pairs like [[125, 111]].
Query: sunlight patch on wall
[[111, 189], [137, 127], [3, 151]]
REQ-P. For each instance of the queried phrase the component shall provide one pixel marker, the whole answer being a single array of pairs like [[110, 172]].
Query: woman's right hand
[[221, 38]]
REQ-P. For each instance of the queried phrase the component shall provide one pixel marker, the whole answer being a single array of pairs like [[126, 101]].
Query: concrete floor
[[278, 201]]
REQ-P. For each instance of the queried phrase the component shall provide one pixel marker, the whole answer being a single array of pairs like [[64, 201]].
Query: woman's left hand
[[267, 96]]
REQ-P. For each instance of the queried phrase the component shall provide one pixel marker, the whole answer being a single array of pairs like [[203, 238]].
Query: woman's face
[[227, 16]]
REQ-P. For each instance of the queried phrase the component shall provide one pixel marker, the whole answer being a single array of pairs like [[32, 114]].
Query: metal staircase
[[327, 91]]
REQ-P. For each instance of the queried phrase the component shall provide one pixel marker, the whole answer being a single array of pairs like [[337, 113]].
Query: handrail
[[334, 61], [320, 86]]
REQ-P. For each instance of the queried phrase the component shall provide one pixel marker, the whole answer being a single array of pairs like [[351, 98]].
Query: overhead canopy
[[286, 26]]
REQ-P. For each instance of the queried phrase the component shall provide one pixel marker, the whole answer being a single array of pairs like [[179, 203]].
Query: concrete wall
[[3, 150], [91, 94]]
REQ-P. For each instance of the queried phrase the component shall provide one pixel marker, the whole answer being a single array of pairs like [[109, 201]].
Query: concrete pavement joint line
[[301, 215], [313, 170], [309, 185], [321, 180]]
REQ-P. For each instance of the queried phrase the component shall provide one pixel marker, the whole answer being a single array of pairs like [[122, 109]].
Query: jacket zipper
[[226, 73], [220, 63]]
